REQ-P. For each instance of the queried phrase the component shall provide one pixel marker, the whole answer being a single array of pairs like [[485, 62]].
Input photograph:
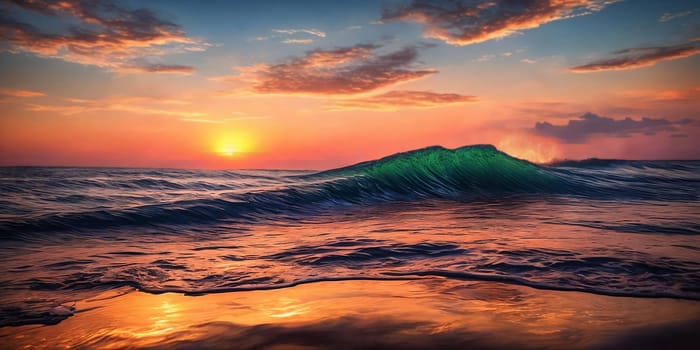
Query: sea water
[[621, 228]]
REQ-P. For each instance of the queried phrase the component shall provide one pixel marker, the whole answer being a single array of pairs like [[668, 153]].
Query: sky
[[321, 84]]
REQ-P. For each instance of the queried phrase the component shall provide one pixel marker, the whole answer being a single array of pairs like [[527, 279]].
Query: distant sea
[[608, 227]]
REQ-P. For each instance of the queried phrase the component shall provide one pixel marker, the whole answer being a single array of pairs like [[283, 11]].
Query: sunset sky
[[320, 84]]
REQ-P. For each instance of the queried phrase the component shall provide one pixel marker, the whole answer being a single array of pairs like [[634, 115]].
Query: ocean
[[473, 214]]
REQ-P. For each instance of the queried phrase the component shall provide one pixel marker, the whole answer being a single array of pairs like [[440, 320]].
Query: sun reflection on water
[[409, 312]]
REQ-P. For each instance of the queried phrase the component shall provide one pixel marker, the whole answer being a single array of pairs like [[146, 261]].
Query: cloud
[[204, 121], [393, 100], [340, 71], [668, 16], [463, 22], [99, 32], [690, 94], [485, 58], [160, 68], [639, 57], [137, 105], [20, 93], [588, 125], [297, 41], [60, 109], [314, 32], [286, 33]]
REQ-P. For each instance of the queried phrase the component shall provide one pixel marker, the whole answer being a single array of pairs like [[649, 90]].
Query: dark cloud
[[464, 22], [404, 99], [106, 34], [346, 70], [589, 124], [639, 57]]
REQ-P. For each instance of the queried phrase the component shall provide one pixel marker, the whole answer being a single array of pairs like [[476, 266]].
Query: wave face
[[439, 172], [603, 226]]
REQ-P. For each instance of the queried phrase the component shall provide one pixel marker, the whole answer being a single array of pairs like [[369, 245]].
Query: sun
[[231, 144], [227, 150]]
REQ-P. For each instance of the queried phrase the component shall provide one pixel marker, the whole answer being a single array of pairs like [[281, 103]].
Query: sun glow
[[529, 148], [227, 150], [230, 144]]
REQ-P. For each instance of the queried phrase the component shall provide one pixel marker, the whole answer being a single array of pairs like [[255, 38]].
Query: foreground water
[[620, 228], [427, 313]]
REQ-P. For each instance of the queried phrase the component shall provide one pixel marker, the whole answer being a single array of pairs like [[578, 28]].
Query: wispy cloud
[[485, 58], [669, 16], [160, 68], [20, 93], [60, 109], [314, 32], [293, 35], [393, 100], [581, 129], [297, 41], [639, 57], [238, 116], [464, 22], [136, 105], [691, 94], [342, 71], [106, 34], [205, 121]]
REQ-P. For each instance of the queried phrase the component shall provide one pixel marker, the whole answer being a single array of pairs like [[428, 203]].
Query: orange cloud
[[20, 93], [463, 22], [691, 94], [107, 35], [341, 71], [136, 105], [639, 57], [403, 99]]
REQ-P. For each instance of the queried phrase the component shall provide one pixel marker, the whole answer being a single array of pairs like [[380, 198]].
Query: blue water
[[627, 228]]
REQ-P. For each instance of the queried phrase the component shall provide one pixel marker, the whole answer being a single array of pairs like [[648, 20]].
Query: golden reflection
[[287, 307], [408, 312]]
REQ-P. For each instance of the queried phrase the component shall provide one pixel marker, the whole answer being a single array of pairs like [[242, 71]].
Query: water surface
[[619, 228]]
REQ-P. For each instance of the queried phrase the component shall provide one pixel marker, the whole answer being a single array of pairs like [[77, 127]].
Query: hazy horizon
[[553, 161]]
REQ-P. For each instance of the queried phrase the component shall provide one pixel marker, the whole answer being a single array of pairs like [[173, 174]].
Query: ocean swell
[[466, 173]]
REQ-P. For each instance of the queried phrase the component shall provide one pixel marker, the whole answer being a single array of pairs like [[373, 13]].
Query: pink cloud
[[20, 93], [341, 71], [107, 35], [404, 99]]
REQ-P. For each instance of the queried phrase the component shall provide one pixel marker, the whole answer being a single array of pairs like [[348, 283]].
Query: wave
[[470, 172]]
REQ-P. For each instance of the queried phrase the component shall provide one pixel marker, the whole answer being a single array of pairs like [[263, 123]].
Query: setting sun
[[227, 150], [229, 143]]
